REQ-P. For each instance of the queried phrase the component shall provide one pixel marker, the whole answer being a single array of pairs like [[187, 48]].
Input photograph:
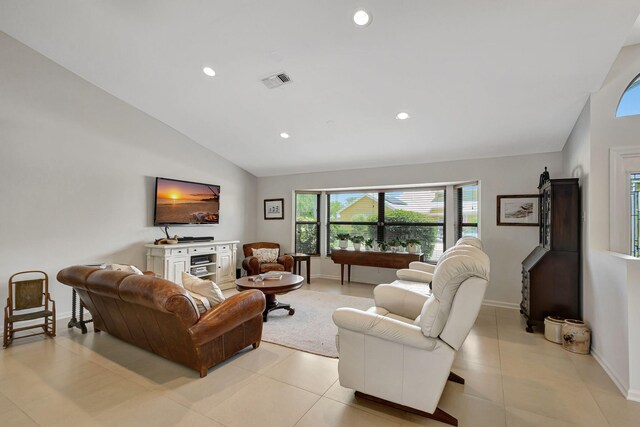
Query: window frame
[[460, 224], [381, 225], [317, 222]]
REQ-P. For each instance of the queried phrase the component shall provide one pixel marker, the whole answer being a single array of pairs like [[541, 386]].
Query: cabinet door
[[225, 265], [175, 267]]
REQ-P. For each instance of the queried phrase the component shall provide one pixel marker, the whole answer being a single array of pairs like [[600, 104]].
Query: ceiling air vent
[[276, 80]]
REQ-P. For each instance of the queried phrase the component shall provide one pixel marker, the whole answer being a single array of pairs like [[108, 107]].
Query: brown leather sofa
[[253, 267], [156, 315]]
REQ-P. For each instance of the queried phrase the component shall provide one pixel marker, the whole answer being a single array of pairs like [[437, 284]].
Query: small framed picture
[[519, 210], [274, 209]]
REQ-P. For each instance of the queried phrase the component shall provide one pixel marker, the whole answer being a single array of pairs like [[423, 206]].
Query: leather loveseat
[[157, 315]]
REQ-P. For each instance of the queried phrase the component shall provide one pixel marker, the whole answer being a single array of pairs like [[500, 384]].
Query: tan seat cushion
[[271, 266]]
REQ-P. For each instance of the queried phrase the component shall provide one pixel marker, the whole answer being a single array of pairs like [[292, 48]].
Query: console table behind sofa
[[351, 257]]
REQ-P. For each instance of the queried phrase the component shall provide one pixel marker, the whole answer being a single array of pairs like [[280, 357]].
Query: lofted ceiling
[[479, 78]]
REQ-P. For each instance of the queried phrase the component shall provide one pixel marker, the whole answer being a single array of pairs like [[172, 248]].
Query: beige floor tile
[[201, 394], [96, 379], [521, 418], [16, 418], [481, 381], [619, 411], [508, 312], [83, 401], [540, 369], [347, 397], [592, 374], [264, 402], [487, 310], [262, 358], [6, 405], [480, 349], [568, 403], [307, 371], [469, 410], [329, 413], [155, 410]]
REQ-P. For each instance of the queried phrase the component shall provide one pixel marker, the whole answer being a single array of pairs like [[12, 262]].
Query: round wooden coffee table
[[289, 282]]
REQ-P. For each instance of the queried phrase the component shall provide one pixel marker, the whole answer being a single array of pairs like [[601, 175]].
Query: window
[[308, 223], [635, 214], [390, 216], [353, 213], [629, 104], [467, 210]]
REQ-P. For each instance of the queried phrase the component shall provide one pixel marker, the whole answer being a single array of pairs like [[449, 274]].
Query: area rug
[[310, 329]]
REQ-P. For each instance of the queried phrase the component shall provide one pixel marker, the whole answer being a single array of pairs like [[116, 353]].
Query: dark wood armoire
[[551, 272]]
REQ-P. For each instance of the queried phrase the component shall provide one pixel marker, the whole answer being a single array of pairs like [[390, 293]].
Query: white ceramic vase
[[576, 336], [343, 244], [356, 246]]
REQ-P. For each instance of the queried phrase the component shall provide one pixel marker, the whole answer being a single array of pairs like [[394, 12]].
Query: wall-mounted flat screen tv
[[185, 202]]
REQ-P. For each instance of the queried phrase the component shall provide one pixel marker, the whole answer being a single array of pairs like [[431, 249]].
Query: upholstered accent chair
[[253, 266], [400, 351]]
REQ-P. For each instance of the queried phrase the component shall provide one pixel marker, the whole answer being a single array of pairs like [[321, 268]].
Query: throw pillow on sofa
[[265, 255], [205, 288], [122, 267]]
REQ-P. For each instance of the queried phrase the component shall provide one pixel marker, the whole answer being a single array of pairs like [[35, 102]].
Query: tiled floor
[[513, 379]]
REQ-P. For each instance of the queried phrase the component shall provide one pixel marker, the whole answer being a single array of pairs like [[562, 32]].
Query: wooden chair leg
[[256, 344], [438, 414], [455, 378]]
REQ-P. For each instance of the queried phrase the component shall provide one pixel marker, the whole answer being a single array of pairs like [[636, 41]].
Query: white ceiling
[[480, 78], [634, 35]]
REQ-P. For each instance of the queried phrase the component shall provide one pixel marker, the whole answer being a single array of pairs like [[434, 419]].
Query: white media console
[[214, 260]]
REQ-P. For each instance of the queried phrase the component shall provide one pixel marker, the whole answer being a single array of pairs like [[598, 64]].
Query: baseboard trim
[[634, 395], [501, 304], [629, 394]]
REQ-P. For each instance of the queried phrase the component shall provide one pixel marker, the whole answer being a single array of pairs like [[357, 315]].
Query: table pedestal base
[[273, 304]]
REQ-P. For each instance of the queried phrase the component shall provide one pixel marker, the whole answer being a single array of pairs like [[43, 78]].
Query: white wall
[[611, 283], [507, 246], [77, 170]]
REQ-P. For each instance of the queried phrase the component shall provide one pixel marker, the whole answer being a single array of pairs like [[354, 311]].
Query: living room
[[99, 100]]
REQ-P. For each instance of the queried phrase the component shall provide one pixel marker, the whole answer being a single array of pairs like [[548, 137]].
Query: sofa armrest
[[226, 316], [399, 301], [422, 266], [251, 265], [388, 329], [414, 275]]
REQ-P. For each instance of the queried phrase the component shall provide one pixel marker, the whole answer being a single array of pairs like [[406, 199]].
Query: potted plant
[[344, 240], [382, 245], [413, 245], [357, 241], [395, 245], [368, 244]]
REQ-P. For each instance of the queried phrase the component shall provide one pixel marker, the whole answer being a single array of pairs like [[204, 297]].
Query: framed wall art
[[520, 210], [274, 209]]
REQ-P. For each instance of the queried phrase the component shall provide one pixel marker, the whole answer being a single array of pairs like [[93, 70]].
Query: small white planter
[[356, 246], [413, 248], [343, 244]]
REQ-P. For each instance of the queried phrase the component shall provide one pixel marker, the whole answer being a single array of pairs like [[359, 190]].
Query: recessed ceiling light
[[209, 71], [362, 18], [285, 135], [402, 116]]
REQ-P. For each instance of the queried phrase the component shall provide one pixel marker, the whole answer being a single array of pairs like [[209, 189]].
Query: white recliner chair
[[400, 352], [419, 274]]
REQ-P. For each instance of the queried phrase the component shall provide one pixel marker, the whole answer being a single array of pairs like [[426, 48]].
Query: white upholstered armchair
[[419, 274], [400, 352]]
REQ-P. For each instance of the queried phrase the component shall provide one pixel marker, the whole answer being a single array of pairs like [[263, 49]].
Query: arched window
[[629, 104]]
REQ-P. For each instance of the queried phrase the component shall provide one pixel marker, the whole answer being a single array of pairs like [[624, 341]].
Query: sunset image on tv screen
[[180, 202]]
